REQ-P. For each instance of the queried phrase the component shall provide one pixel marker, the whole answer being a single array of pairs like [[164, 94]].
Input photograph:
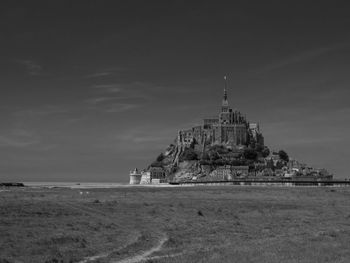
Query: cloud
[[104, 72], [142, 139], [98, 100], [110, 88], [120, 97], [32, 67], [42, 111], [121, 107], [304, 56], [98, 74], [18, 139]]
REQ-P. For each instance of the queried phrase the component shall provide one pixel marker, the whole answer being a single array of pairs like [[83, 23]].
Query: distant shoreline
[[87, 185]]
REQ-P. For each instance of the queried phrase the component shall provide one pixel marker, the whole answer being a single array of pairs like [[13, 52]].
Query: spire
[[225, 101], [225, 88]]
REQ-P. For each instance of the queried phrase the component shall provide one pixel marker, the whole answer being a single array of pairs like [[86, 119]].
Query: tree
[[265, 152], [237, 162], [156, 164], [283, 155], [205, 156], [204, 162], [220, 149], [219, 162], [259, 148], [213, 155], [188, 155], [250, 154], [160, 157]]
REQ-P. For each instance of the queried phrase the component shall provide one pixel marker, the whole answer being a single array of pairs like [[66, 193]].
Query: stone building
[[145, 177], [230, 127], [157, 173], [135, 176]]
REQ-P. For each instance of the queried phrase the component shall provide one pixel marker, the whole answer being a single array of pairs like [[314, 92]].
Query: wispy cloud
[[119, 97], [114, 104], [121, 107], [32, 67], [41, 111], [98, 100], [98, 74], [104, 72], [111, 88], [18, 138], [140, 138], [301, 57]]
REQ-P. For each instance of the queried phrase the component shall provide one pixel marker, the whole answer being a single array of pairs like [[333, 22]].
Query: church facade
[[230, 127]]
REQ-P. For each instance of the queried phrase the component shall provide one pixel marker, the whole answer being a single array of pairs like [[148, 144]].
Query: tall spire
[[225, 101], [225, 88], [224, 107]]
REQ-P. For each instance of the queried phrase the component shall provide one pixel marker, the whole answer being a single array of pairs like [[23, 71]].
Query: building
[[230, 127], [145, 177], [240, 171], [157, 174], [154, 175], [135, 176]]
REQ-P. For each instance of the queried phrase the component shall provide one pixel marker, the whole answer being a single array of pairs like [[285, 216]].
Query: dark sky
[[91, 89]]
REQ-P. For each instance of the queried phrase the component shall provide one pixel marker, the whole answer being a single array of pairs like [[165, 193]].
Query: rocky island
[[224, 148]]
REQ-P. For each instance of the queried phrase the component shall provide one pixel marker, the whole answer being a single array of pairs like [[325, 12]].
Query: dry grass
[[201, 224]]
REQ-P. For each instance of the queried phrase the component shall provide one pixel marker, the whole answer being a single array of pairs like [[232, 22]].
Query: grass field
[[175, 224]]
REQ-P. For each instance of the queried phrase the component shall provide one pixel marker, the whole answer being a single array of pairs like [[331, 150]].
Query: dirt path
[[166, 256], [131, 240], [145, 254], [96, 213]]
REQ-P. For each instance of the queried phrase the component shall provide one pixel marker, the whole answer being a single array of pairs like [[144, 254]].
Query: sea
[[75, 184], [87, 185]]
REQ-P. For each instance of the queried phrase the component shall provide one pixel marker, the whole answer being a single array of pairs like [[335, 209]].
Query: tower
[[135, 176], [224, 106]]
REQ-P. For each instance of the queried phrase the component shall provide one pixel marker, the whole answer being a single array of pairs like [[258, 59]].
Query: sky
[[92, 89]]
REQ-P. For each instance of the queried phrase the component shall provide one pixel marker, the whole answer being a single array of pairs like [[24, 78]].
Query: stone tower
[[224, 106]]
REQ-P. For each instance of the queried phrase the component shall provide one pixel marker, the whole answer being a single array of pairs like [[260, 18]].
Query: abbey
[[229, 128], [224, 148]]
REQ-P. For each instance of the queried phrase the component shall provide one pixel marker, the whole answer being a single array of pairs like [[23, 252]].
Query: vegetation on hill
[[197, 161], [188, 154], [283, 155]]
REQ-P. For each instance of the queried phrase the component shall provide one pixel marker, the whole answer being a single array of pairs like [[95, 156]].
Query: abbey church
[[230, 128], [224, 148]]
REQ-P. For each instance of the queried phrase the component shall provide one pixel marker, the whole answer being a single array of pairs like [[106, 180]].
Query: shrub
[[220, 149], [173, 169], [204, 162], [205, 156], [213, 155], [160, 157], [219, 162], [188, 155], [250, 154], [156, 164], [265, 152], [259, 148], [237, 162], [283, 155]]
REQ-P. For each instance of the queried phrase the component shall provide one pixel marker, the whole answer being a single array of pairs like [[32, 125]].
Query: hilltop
[[224, 148]]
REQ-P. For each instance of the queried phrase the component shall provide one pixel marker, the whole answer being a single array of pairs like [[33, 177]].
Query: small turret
[[135, 176]]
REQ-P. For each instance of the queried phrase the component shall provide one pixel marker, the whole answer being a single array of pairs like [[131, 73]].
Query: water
[[80, 185], [74, 185]]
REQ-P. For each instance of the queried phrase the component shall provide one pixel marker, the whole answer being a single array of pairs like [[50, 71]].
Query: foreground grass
[[195, 224]]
